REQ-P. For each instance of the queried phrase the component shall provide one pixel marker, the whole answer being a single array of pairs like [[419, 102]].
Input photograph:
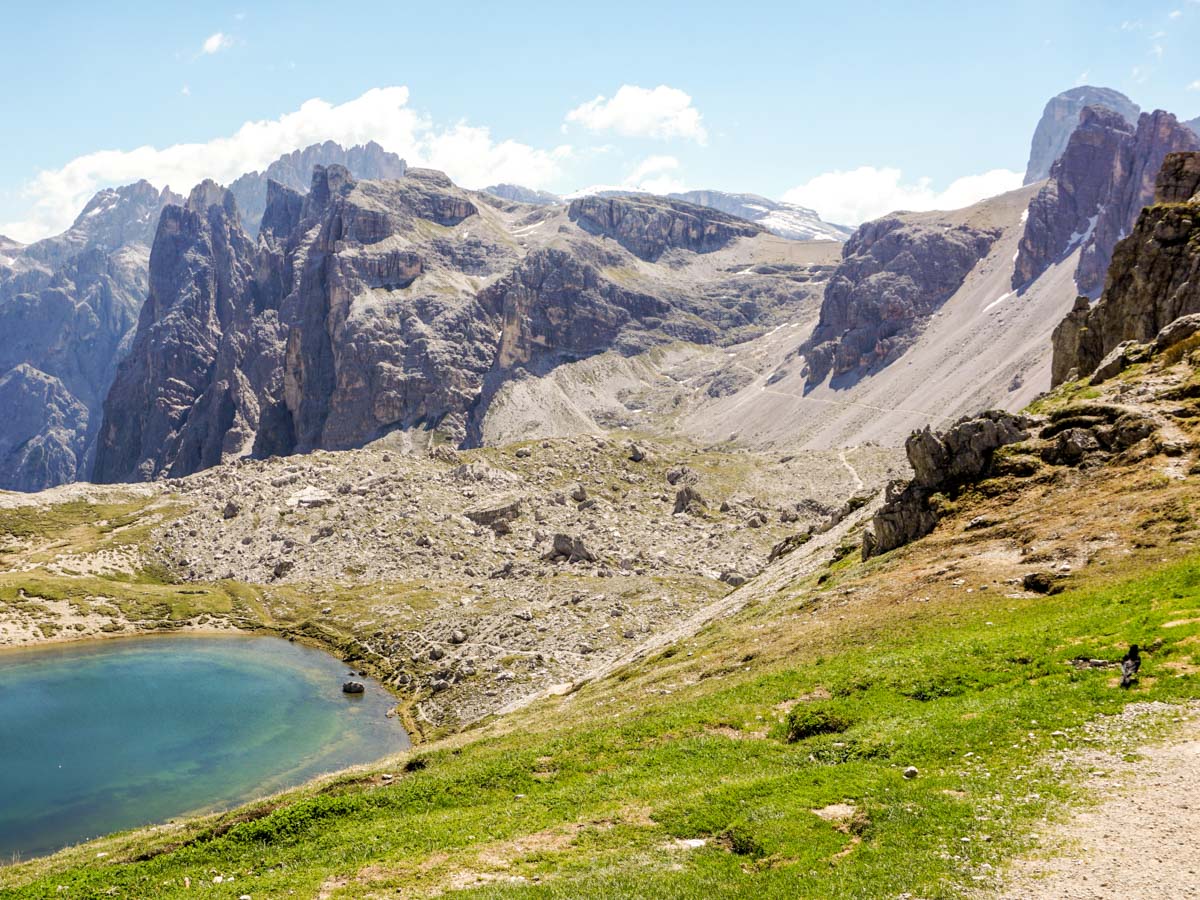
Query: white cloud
[[656, 175], [850, 198], [215, 43], [1175, 14], [467, 153], [653, 175], [1083, 77], [662, 112], [1194, 86]]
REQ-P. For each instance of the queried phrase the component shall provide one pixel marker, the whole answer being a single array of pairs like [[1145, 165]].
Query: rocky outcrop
[[1095, 192], [1063, 214], [1154, 278], [67, 306], [1060, 118], [45, 431], [294, 170], [518, 194], [367, 307], [894, 272], [789, 220], [201, 272], [1158, 134], [942, 465], [649, 226]]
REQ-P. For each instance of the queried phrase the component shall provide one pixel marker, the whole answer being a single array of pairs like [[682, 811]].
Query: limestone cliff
[[1095, 192], [894, 272], [1154, 278]]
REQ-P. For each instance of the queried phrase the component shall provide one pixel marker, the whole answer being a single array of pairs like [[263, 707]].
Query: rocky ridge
[[367, 307], [1095, 192], [294, 170], [67, 304], [1061, 117], [1151, 283], [895, 272]]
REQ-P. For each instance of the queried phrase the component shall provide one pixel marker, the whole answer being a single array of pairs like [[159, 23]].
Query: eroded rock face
[[201, 272], [1158, 134], [942, 463], [1059, 119], [519, 194], [67, 306], [649, 226], [294, 170], [1154, 278], [894, 272], [378, 306], [1095, 192], [45, 433]]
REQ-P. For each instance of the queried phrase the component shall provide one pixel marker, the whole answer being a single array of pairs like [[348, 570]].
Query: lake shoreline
[[214, 625], [197, 684]]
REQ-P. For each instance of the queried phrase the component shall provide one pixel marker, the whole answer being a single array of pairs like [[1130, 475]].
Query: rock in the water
[[353, 687]]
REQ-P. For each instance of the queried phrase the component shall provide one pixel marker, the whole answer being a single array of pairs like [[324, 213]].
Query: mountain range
[[339, 296]]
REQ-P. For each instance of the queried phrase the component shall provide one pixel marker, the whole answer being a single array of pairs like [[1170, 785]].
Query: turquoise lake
[[108, 735]]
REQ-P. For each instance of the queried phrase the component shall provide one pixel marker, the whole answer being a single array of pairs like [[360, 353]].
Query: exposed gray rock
[[294, 170], [689, 500], [799, 223], [1154, 279], [942, 463], [518, 194], [67, 307], [496, 512], [45, 433], [571, 548], [895, 272], [1179, 330], [1060, 118], [648, 226], [1095, 192]]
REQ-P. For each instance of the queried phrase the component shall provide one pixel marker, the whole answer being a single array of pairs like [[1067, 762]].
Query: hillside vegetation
[[768, 754]]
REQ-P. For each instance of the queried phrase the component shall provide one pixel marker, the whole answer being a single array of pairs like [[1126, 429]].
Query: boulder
[[942, 463], [571, 548], [499, 511], [688, 499], [353, 687]]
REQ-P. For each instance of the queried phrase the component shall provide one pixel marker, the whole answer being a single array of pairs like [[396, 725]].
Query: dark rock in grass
[[688, 499], [1041, 583]]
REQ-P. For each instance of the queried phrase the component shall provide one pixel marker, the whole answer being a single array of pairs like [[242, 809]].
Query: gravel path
[[1141, 840]]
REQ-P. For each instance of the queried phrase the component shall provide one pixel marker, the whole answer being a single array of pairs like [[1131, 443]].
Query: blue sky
[[756, 97]]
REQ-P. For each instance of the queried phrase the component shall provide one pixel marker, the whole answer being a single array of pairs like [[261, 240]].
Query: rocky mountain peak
[[649, 226], [294, 170], [328, 182], [1095, 191], [1153, 281], [895, 271], [208, 194], [1061, 117], [516, 193]]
